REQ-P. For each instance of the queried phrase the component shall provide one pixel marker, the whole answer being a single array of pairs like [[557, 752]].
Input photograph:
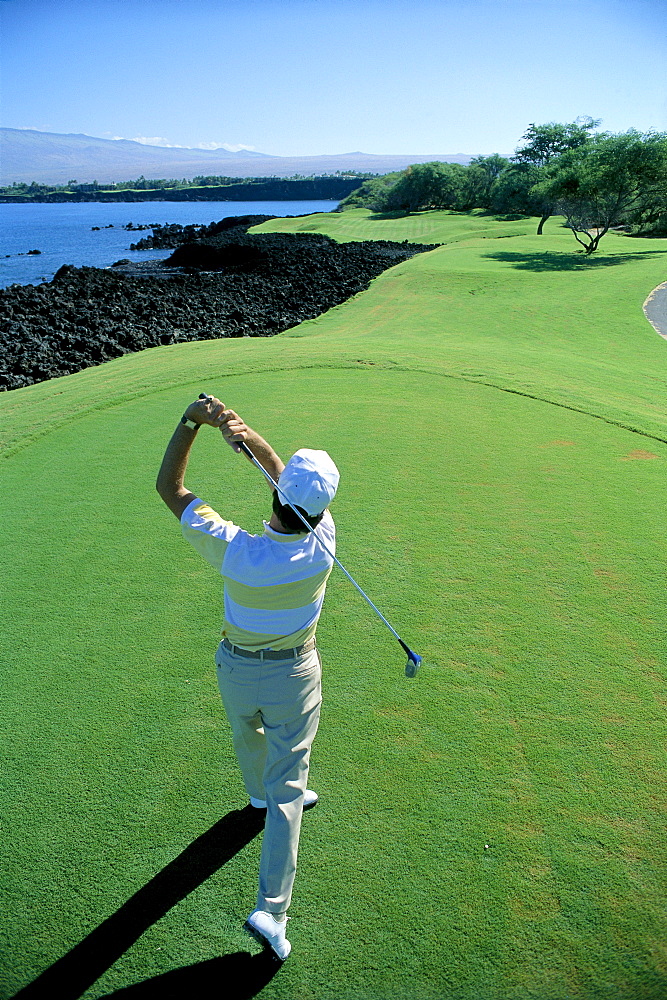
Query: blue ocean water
[[63, 233]]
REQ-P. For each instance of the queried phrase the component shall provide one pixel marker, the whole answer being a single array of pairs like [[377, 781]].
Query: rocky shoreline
[[219, 282]]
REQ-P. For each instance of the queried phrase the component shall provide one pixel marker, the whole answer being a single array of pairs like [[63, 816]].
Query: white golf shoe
[[270, 932], [309, 799]]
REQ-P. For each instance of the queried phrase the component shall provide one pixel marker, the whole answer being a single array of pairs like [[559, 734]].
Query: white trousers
[[273, 707]]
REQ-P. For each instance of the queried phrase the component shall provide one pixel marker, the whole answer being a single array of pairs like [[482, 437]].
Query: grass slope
[[517, 544]]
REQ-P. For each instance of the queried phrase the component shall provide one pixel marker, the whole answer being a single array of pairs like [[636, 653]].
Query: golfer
[[268, 666]]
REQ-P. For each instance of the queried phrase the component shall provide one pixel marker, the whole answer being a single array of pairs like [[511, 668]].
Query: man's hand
[[206, 411], [233, 429]]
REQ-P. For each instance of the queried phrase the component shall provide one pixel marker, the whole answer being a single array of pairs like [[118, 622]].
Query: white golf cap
[[309, 480]]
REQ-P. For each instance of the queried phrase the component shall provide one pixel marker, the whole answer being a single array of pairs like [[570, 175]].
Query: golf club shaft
[[246, 451]]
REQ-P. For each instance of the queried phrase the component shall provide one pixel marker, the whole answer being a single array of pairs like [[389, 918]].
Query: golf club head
[[412, 666]]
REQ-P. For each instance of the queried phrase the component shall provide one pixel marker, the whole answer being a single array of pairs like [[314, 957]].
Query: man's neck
[[277, 525]]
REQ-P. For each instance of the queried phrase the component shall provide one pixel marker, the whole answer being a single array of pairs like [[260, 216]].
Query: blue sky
[[304, 77]]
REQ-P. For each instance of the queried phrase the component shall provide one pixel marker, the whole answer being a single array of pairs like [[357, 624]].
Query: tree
[[511, 190], [480, 175], [609, 181], [545, 143], [370, 193], [426, 185]]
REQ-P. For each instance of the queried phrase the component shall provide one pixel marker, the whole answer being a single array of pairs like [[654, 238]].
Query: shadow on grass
[[397, 214], [490, 213], [75, 972], [404, 213], [551, 260], [232, 977]]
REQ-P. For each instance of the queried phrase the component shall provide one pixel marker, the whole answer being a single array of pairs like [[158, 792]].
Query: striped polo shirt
[[273, 583]]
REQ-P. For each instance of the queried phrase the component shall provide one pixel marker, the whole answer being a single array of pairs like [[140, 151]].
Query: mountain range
[[27, 155]]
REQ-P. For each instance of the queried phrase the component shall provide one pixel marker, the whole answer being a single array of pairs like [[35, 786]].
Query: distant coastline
[[273, 189]]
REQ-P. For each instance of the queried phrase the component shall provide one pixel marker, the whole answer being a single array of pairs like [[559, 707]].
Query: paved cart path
[[655, 309]]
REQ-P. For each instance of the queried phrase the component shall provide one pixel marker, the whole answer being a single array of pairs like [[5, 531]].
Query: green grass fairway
[[420, 227], [493, 829]]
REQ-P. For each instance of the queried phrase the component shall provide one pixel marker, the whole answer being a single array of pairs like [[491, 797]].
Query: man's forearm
[[264, 454], [235, 432], [170, 481]]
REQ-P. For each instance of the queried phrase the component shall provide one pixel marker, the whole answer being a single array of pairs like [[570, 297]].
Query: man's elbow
[[176, 499]]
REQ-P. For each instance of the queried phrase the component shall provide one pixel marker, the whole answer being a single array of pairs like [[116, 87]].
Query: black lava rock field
[[219, 282]]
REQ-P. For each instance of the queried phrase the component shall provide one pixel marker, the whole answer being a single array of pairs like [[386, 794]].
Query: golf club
[[414, 659]]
